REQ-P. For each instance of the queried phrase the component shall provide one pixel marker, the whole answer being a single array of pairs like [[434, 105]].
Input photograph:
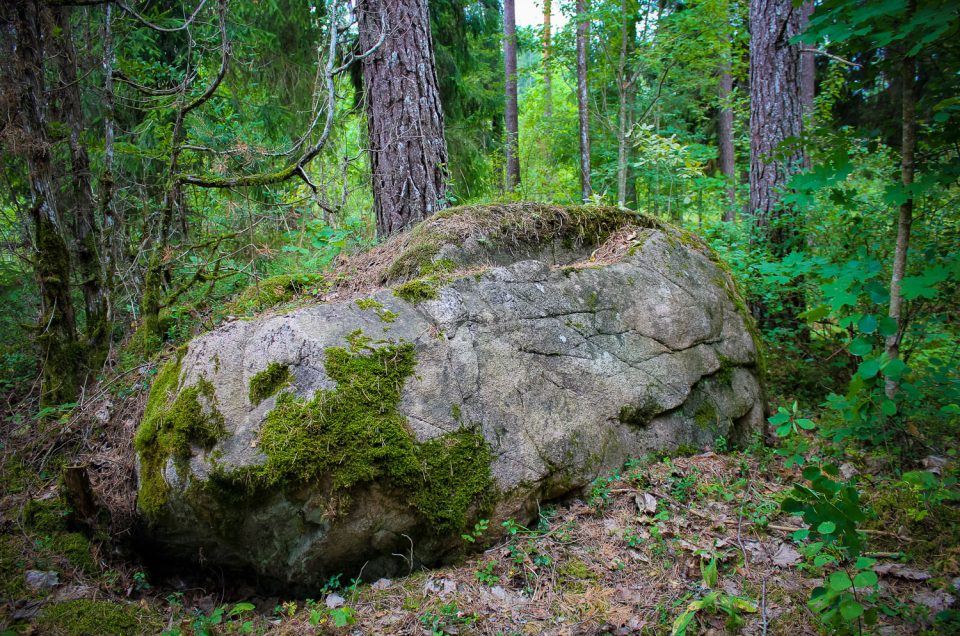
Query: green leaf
[[839, 581], [806, 425], [867, 578], [827, 527], [887, 326], [860, 347], [709, 573], [851, 609], [868, 368], [864, 563], [782, 415], [894, 369], [888, 408], [867, 324]]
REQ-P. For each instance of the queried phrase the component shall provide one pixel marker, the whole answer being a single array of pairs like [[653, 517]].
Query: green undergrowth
[[266, 383], [353, 434], [173, 429], [84, 617]]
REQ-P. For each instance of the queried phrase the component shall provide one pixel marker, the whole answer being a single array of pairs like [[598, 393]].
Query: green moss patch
[[353, 434], [417, 291], [274, 290], [76, 548], [84, 617], [266, 383], [171, 427]]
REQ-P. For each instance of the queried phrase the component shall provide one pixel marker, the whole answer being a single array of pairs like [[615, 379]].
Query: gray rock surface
[[565, 370]]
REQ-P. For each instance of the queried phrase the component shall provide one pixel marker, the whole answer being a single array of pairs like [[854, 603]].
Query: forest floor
[[636, 555]]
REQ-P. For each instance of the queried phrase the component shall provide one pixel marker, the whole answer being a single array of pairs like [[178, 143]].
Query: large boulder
[[489, 360]]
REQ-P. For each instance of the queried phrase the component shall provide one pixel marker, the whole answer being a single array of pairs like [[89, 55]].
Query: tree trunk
[[583, 34], [547, 78], [728, 166], [97, 333], [775, 110], [808, 77], [510, 108], [908, 147], [624, 82], [408, 153], [61, 355]]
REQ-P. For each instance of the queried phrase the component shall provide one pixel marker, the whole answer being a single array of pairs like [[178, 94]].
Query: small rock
[[936, 600], [847, 470], [956, 584], [934, 463], [37, 580], [646, 503], [72, 593], [381, 584], [786, 556], [104, 412], [335, 600], [499, 592], [901, 571]]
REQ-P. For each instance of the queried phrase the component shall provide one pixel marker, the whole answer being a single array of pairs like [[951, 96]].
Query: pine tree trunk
[[547, 44], [728, 166], [408, 153], [775, 109], [511, 153], [583, 34]]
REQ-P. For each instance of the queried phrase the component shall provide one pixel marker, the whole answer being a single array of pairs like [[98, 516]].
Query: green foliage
[[713, 602]]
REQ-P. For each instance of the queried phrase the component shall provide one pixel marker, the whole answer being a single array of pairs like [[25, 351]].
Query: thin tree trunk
[[61, 353], [408, 153], [627, 29], [905, 221], [109, 261], [511, 153], [583, 34], [808, 77], [547, 45], [728, 166], [87, 250]]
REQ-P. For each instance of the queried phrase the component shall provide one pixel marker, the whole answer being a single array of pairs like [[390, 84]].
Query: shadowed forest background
[[169, 166]]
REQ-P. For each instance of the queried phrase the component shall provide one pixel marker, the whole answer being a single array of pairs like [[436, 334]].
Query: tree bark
[[511, 147], [775, 109], [408, 153], [905, 221], [583, 34], [808, 77], [97, 331], [727, 157], [61, 354], [547, 46], [624, 83]]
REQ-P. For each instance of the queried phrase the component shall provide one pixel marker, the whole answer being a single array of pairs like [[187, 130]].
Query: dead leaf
[[646, 503], [786, 556]]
